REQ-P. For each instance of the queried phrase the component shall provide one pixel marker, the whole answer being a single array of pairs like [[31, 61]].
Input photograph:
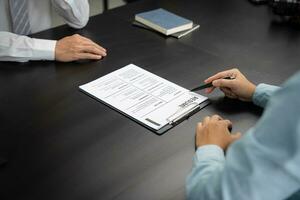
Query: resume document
[[143, 96]]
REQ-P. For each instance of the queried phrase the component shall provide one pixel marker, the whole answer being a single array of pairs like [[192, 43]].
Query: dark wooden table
[[62, 144]]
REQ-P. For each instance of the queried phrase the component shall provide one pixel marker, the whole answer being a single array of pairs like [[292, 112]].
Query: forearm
[[262, 94], [262, 164], [22, 48], [75, 12]]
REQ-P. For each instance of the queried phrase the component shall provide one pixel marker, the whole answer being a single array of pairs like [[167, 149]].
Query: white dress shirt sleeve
[[75, 12], [22, 48]]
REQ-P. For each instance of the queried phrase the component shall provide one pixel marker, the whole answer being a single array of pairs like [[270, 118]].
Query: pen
[[207, 85]]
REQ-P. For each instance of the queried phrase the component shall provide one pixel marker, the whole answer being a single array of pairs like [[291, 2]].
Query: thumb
[[223, 83], [236, 136]]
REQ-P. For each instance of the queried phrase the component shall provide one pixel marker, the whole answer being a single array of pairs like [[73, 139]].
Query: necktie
[[19, 15]]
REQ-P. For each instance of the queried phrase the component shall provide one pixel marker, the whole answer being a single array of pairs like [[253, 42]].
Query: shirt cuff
[[209, 152], [43, 49], [262, 94]]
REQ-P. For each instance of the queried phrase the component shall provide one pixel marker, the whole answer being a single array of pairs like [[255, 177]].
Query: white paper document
[[145, 97]]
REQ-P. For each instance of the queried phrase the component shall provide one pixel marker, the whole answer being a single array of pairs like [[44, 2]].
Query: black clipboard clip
[[182, 114]]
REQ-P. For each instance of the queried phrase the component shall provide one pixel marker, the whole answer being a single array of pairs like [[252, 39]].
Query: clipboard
[[164, 117], [185, 115], [182, 116]]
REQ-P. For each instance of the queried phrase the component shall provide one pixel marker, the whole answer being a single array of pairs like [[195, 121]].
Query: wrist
[[209, 146], [219, 145], [56, 53], [252, 89]]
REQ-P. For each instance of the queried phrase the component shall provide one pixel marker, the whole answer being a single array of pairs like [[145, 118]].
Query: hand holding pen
[[232, 83], [215, 129]]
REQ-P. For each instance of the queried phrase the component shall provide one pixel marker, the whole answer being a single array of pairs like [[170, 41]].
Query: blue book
[[177, 35], [164, 21]]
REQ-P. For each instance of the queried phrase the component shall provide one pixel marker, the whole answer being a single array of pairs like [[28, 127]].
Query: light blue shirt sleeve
[[262, 94], [208, 164], [264, 163]]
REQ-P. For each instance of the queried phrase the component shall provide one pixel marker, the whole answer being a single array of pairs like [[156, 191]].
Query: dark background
[[62, 144]]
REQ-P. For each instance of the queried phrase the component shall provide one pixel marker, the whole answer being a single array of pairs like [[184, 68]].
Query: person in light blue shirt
[[263, 164]]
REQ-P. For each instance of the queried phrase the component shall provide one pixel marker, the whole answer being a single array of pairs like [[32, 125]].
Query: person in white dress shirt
[[19, 18]]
